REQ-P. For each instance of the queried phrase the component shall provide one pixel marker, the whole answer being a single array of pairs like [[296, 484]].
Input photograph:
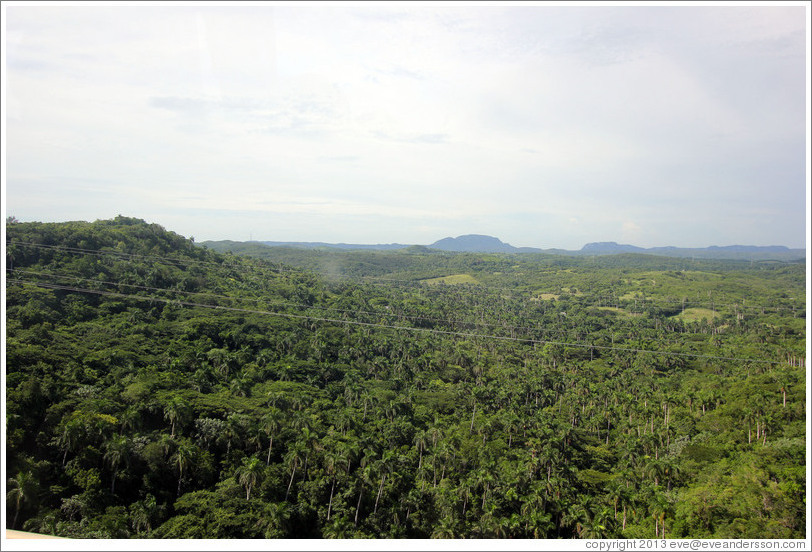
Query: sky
[[544, 125]]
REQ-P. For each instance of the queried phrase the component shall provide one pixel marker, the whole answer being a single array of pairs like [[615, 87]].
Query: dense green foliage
[[159, 389]]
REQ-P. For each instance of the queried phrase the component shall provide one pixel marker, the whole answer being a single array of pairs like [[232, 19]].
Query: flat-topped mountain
[[609, 248], [479, 244]]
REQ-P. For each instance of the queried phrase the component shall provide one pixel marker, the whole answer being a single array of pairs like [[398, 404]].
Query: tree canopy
[[156, 388]]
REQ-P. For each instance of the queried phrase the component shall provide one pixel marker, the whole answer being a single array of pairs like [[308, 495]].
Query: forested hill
[[506, 268], [475, 243], [736, 252], [156, 389]]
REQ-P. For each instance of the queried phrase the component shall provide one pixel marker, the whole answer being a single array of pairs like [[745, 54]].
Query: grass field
[[696, 314], [452, 279], [622, 312]]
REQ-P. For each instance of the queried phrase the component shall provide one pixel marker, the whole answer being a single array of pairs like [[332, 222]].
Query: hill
[[478, 243], [733, 252], [155, 389], [324, 245]]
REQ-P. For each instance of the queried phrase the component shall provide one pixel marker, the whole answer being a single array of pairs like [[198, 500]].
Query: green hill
[[160, 389]]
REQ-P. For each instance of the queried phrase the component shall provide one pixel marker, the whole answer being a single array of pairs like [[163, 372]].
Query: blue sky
[[544, 125]]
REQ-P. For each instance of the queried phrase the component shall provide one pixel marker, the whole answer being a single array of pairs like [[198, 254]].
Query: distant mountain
[[479, 244], [609, 248], [323, 245], [733, 252]]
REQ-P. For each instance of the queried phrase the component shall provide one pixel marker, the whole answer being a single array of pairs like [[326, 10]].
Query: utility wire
[[448, 321], [466, 335], [281, 268]]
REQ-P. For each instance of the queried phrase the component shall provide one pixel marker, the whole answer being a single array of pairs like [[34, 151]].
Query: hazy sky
[[546, 126]]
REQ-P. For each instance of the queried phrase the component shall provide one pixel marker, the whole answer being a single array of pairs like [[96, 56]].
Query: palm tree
[[274, 519], [221, 360], [240, 387], [442, 451], [344, 420], [490, 525], [337, 529], [385, 466], [365, 477], [661, 506], [511, 424], [69, 437], [293, 459], [619, 494], [671, 470], [485, 479], [274, 397], [131, 418], [23, 489], [142, 513], [117, 454], [234, 430], [581, 514], [541, 523], [185, 454], [248, 474], [176, 411], [444, 530], [270, 424], [310, 440], [420, 441], [595, 526], [656, 468], [332, 460]]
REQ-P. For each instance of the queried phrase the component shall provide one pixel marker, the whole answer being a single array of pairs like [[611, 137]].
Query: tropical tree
[[176, 412], [183, 458], [142, 513], [69, 437], [249, 473], [23, 488], [117, 454], [332, 461], [274, 519], [445, 529], [271, 422], [294, 458]]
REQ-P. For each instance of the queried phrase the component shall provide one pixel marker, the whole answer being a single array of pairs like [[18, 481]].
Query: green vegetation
[[158, 389], [696, 314], [452, 279]]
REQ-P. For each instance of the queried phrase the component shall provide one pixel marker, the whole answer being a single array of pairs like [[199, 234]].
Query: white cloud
[[500, 118]]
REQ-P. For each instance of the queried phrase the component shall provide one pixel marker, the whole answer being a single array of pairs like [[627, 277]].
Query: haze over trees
[[156, 388], [488, 244]]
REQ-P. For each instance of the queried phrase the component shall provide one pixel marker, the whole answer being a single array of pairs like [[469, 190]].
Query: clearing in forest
[[696, 314], [616, 310], [452, 279]]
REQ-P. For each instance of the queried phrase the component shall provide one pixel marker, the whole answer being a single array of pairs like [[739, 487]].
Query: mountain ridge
[[481, 243]]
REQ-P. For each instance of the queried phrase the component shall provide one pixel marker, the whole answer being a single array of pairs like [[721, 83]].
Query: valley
[[158, 388]]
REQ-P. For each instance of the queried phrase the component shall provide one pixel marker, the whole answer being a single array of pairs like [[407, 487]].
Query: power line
[[400, 315], [291, 305], [466, 335], [450, 322], [281, 268]]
